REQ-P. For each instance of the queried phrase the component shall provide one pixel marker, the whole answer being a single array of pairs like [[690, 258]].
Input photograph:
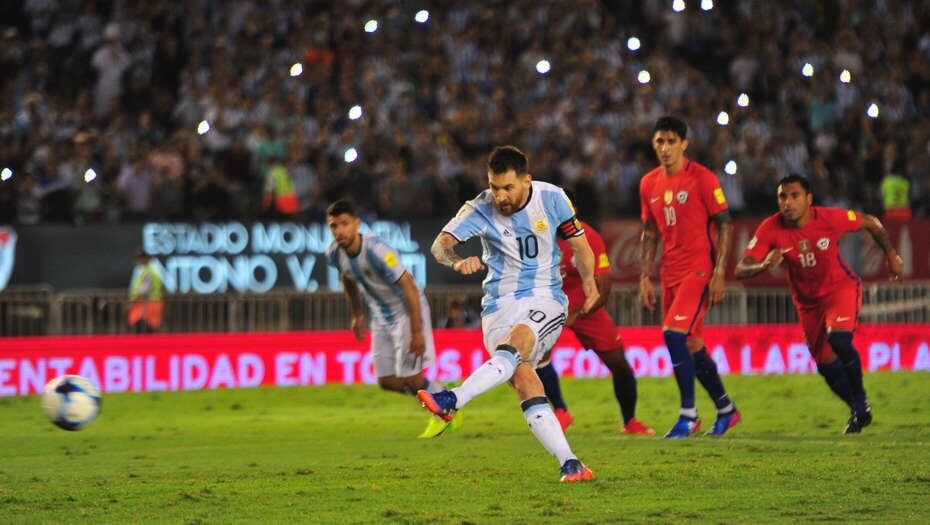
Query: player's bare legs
[[705, 369], [409, 385], [508, 363]]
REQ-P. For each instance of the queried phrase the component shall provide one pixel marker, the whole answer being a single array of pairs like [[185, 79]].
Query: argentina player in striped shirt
[[401, 332], [518, 221]]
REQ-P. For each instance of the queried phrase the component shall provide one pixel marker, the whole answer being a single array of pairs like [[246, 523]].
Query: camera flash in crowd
[[707, 5], [872, 110], [422, 16], [203, 127], [742, 100], [90, 175], [730, 167], [297, 69], [723, 118], [807, 70], [633, 43], [355, 112], [6, 174], [543, 66], [371, 26], [678, 6], [845, 76], [643, 77], [350, 155]]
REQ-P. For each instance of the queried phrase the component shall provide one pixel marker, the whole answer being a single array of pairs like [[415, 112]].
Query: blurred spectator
[[213, 92], [146, 305], [279, 198], [460, 315]]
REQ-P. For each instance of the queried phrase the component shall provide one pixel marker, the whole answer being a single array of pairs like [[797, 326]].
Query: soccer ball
[[71, 402]]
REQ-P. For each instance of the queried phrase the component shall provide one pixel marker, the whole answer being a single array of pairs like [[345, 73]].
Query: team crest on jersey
[[804, 245], [668, 197], [540, 226], [681, 197], [823, 243]]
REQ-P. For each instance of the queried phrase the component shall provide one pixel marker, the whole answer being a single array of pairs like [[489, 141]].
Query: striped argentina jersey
[[521, 251], [376, 269]]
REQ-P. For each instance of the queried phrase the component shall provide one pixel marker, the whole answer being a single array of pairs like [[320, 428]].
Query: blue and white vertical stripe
[[376, 269], [521, 250]]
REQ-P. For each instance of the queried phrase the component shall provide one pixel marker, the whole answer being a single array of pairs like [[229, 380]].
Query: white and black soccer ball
[[71, 402]]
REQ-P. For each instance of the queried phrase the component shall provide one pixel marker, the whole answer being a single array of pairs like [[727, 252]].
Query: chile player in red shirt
[[826, 292], [681, 202], [595, 331]]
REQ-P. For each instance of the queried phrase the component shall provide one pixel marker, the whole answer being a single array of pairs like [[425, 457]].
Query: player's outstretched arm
[[647, 256], [878, 232], [584, 261], [443, 251], [412, 299], [717, 287], [355, 301], [748, 267]]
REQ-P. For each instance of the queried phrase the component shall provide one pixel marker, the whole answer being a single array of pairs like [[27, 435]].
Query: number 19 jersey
[[521, 250], [681, 207]]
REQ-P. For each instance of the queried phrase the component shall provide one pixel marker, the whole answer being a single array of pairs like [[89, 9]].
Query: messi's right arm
[[443, 251]]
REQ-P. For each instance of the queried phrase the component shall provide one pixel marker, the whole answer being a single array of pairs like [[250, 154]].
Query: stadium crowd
[[195, 110]]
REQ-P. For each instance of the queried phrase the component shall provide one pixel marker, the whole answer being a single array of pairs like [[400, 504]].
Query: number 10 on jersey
[[528, 246]]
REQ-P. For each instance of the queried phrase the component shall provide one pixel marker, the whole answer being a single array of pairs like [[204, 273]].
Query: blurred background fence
[[42, 311]]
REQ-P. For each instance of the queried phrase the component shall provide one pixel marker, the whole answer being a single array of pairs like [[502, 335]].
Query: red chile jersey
[[681, 207], [571, 278], [815, 265]]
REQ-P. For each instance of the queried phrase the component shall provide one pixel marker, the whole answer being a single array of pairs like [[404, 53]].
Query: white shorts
[[543, 315], [390, 347]]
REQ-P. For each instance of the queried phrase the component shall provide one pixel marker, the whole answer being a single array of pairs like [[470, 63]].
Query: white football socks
[[547, 430], [493, 372], [434, 386]]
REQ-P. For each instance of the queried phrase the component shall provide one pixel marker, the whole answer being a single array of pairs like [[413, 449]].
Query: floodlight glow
[[355, 112], [845, 76], [203, 127], [723, 118], [644, 77], [422, 16], [6, 174], [707, 5], [371, 26], [730, 167], [297, 69], [633, 43], [90, 175], [872, 111], [543, 66], [678, 6], [742, 100], [807, 70], [350, 155]]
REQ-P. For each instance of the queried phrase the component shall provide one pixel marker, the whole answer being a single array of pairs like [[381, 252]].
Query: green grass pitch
[[348, 455]]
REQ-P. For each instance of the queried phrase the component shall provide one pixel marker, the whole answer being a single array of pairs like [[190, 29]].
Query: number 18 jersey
[[521, 250]]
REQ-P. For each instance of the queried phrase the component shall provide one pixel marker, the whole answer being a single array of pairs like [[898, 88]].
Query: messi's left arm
[[717, 286], [584, 261], [878, 232]]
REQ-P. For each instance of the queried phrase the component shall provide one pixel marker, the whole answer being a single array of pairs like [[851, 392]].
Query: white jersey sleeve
[[384, 260], [468, 222]]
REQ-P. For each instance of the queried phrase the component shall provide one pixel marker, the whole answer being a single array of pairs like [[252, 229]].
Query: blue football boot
[[684, 427]]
